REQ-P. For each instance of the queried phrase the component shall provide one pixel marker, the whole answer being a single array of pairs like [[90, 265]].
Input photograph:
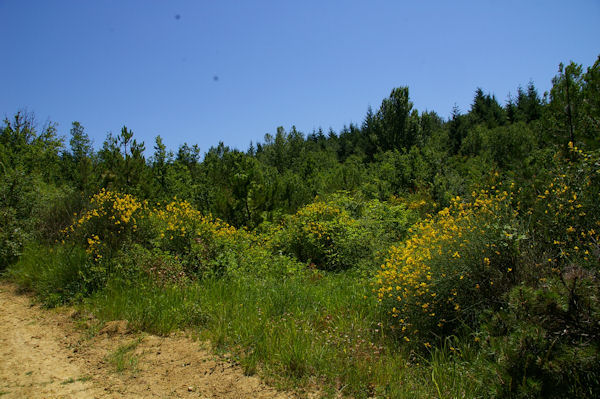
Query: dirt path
[[44, 355]]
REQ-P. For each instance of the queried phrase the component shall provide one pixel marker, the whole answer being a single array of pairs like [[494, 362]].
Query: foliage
[[566, 213], [269, 252], [544, 345], [197, 239], [454, 265], [109, 223], [12, 238], [341, 232]]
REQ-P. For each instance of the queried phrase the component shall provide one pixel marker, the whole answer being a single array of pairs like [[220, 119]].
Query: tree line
[[396, 151]]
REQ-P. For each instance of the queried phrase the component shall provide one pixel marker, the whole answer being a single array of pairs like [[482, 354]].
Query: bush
[[154, 265], [546, 345], [12, 238], [109, 223], [198, 241], [566, 213], [322, 234], [545, 342], [454, 264], [341, 232], [52, 211]]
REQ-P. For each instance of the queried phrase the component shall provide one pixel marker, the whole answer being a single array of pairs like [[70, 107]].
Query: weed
[[122, 359]]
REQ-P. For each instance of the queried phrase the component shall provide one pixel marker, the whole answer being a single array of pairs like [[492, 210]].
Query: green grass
[[54, 274], [122, 359], [318, 330], [73, 380], [303, 330]]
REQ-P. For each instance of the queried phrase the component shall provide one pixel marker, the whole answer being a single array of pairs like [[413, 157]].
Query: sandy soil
[[44, 355]]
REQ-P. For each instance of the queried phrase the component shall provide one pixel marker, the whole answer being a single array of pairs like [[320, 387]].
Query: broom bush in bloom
[[318, 233], [454, 264], [196, 239], [566, 213], [110, 221], [544, 343], [172, 242]]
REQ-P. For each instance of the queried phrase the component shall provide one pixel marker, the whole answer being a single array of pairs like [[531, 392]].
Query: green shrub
[[109, 224], [52, 211], [546, 342], [566, 213], [205, 246], [454, 264], [322, 234], [12, 237], [158, 266], [341, 232]]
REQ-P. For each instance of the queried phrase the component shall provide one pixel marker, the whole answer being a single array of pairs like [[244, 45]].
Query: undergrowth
[[495, 295]]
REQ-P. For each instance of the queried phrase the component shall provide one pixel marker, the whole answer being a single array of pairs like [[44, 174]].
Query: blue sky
[[208, 71]]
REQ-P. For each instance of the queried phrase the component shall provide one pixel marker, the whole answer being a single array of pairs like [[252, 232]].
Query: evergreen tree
[[591, 102], [486, 110], [457, 129], [394, 114], [566, 100], [81, 158]]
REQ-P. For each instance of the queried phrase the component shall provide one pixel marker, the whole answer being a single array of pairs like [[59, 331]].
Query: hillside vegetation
[[410, 256]]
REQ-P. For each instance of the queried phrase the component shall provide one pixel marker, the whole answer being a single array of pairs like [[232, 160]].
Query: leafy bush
[[198, 241], [322, 234], [454, 264], [110, 222], [30, 209], [52, 211], [544, 343], [160, 267], [566, 213], [12, 237], [341, 232]]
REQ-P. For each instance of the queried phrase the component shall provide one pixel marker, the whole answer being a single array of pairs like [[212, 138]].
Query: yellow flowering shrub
[[315, 234], [454, 264], [172, 242], [110, 220], [198, 240], [566, 213]]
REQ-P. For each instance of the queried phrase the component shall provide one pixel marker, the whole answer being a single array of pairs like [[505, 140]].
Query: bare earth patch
[[44, 355]]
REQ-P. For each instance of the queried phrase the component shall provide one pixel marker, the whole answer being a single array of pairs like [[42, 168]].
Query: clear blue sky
[[208, 71]]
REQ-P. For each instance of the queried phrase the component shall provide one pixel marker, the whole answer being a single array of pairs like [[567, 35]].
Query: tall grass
[[54, 274], [308, 329]]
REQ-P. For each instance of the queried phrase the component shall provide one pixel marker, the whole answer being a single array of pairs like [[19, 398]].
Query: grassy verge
[[54, 274], [304, 330], [310, 329]]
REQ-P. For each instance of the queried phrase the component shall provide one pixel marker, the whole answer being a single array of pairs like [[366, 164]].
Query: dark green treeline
[[396, 151]]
